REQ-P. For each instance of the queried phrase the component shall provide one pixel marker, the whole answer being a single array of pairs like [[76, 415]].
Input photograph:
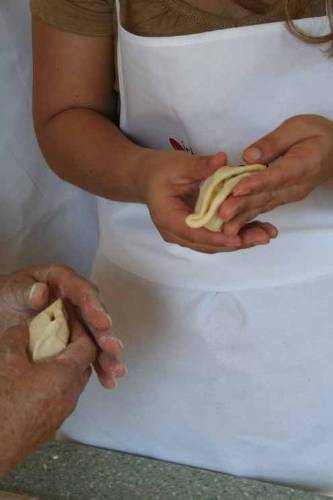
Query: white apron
[[42, 219], [229, 356]]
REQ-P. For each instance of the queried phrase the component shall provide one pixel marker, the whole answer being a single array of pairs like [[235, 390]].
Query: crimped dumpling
[[214, 191], [49, 332]]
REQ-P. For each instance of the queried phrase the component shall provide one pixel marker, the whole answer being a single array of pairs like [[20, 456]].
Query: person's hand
[[24, 293], [35, 398], [300, 158], [171, 186]]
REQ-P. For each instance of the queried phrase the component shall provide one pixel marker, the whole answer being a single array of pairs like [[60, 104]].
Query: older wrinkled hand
[[35, 398], [300, 158], [26, 292]]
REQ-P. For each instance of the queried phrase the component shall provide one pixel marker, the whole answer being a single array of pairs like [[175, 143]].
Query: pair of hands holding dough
[[300, 158], [26, 293]]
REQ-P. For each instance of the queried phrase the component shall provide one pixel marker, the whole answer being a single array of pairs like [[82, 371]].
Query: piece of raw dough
[[49, 332], [214, 191]]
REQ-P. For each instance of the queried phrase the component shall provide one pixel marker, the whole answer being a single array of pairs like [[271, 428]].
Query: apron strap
[[118, 12]]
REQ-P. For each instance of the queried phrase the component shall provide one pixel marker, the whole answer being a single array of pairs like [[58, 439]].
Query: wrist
[[149, 162]]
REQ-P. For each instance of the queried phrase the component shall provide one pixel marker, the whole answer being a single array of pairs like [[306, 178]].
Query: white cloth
[[221, 91], [230, 356], [42, 219], [230, 381]]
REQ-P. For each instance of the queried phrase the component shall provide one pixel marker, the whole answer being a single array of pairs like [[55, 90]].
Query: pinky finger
[[271, 230], [254, 234], [108, 381]]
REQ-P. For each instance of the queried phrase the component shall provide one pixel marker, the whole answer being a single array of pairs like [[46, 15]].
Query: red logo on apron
[[180, 146]]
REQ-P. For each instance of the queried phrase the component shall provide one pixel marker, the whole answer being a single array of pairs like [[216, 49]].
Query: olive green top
[[158, 18]]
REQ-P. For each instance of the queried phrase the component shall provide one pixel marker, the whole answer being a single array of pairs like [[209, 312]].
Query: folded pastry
[[214, 191], [49, 332]]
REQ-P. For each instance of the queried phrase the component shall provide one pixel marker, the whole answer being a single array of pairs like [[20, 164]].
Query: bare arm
[[72, 101], [73, 82]]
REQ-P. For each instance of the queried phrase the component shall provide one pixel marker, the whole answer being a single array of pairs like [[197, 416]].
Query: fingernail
[[110, 383], [33, 291], [261, 242], [121, 345], [107, 338], [110, 320], [36, 291], [253, 154], [121, 372], [96, 305]]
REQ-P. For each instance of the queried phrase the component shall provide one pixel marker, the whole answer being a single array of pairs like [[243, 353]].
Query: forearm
[[14, 449], [7, 465], [85, 148], [4, 469], [9, 448]]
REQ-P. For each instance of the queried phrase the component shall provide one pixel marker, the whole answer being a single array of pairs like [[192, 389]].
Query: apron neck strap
[[118, 11]]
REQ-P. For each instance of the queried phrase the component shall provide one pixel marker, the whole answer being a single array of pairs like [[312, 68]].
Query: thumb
[[275, 144], [15, 340], [24, 294], [198, 168]]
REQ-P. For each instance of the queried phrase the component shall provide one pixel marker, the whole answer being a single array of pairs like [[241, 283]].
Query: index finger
[[79, 291], [284, 172], [81, 352]]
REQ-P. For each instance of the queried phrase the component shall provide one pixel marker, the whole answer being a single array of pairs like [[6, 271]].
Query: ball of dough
[[49, 332]]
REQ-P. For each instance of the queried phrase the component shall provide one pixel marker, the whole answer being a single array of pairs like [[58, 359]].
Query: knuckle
[[306, 122], [321, 123], [268, 145], [55, 266], [61, 268], [282, 177], [296, 121], [302, 193]]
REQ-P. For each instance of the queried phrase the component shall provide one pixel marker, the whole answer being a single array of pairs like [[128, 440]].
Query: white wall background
[[41, 218]]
